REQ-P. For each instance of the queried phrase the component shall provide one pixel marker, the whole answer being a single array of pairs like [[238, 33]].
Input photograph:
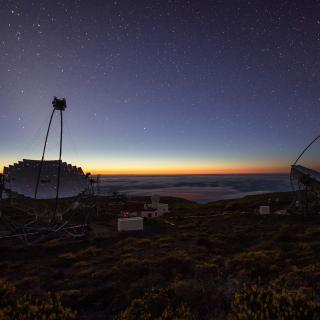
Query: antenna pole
[[43, 153], [1, 191], [59, 166]]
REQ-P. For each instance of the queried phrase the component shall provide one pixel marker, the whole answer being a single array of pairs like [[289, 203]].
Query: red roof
[[134, 207]]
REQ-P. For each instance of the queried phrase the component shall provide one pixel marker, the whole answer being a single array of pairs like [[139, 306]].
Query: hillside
[[214, 261]]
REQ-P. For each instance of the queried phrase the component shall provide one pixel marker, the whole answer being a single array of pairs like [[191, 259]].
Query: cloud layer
[[200, 188]]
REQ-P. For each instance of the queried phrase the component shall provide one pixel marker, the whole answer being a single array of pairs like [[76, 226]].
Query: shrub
[[27, 282], [52, 243], [177, 262], [296, 278], [130, 269], [7, 291], [155, 305], [143, 242], [263, 303], [28, 307], [82, 264], [68, 256], [91, 251], [254, 263]]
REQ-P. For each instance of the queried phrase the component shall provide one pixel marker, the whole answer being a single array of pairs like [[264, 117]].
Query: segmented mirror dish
[[21, 179]]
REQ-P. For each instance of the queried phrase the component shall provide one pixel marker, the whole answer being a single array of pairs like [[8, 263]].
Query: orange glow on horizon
[[183, 169], [188, 171], [184, 172]]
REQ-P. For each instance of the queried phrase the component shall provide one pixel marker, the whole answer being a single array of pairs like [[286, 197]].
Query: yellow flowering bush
[[28, 307], [155, 305], [259, 303], [253, 263]]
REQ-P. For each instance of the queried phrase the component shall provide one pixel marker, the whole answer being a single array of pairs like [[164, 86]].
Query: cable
[[306, 148], [301, 154], [294, 164], [30, 144], [72, 142], [44, 150]]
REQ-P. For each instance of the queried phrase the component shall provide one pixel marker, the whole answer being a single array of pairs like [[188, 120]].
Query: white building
[[149, 213], [156, 209], [264, 210], [153, 210], [161, 208], [130, 224]]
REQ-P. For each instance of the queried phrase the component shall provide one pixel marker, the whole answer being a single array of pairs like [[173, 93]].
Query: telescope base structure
[[308, 189], [31, 220]]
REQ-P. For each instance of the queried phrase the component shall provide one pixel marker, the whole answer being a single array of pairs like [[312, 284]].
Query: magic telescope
[[30, 180]]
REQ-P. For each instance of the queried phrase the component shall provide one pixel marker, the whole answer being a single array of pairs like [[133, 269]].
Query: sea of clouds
[[199, 188]]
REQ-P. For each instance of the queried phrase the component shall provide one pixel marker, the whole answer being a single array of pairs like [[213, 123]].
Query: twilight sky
[[161, 86]]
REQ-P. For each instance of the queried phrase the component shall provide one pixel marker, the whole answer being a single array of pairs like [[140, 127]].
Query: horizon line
[[173, 172], [185, 171], [217, 172], [187, 174]]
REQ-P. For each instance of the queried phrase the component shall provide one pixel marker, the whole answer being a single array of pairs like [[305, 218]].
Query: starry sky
[[161, 86]]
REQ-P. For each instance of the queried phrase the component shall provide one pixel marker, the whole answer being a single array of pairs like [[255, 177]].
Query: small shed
[[264, 210], [130, 224]]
